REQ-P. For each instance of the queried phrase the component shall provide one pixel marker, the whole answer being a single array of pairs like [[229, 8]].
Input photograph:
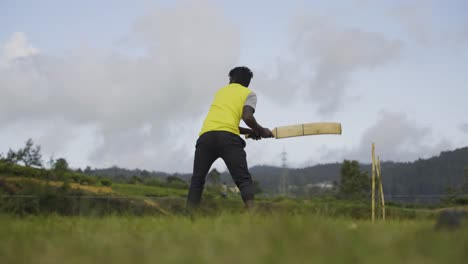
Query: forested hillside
[[422, 177], [427, 176]]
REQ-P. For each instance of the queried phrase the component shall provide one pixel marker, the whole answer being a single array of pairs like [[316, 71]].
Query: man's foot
[[250, 205]]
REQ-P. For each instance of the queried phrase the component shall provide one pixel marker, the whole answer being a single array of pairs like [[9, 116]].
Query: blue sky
[[120, 82]]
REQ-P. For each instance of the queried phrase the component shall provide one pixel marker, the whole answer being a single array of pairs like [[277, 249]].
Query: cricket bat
[[306, 129]]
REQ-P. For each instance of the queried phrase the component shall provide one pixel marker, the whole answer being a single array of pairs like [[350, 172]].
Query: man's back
[[226, 110]]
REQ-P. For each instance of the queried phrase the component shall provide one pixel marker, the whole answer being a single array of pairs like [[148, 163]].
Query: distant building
[[321, 185]]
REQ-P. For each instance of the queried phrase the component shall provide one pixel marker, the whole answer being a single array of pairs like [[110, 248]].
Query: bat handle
[[274, 131], [248, 136]]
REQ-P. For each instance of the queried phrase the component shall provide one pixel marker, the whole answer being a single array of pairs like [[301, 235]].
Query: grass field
[[227, 238], [145, 190], [282, 230]]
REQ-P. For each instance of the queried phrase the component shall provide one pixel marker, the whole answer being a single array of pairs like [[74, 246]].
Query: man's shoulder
[[237, 87], [252, 94], [251, 100]]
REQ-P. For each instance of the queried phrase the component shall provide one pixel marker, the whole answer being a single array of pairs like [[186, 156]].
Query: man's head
[[241, 75]]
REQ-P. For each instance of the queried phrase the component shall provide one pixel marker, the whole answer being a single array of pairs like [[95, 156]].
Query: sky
[[128, 83]]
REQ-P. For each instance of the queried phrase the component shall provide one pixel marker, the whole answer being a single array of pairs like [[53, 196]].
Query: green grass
[[227, 238], [145, 190]]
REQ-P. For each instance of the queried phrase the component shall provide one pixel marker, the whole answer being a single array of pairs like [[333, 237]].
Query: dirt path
[[77, 186]]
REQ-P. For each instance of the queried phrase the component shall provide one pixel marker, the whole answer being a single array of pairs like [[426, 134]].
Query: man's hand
[[249, 119], [266, 133], [253, 135]]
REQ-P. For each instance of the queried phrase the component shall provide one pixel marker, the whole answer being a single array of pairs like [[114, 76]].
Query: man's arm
[[249, 119], [246, 131], [250, 133]]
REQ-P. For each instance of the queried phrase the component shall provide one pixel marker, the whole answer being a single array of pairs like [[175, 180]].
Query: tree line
[[439, 175]]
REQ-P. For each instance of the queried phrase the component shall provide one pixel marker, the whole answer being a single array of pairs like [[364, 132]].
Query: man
[[220, 136]]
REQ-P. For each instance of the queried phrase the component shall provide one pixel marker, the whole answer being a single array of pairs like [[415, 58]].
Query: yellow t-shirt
[[226, 110]]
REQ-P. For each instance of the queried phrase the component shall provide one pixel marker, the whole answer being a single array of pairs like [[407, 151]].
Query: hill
[[424, 178]]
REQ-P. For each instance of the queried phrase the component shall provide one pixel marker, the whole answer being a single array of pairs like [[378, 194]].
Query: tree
[[354, 183], [257, 188], [145, 174], [51, 162], [214, 177], [61, 165], [465, 184], [30, 155], [135, 180], [87, 170], [11, 157], [451, 195]]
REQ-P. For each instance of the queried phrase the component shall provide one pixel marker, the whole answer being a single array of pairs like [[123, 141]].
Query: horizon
[[292, 168]]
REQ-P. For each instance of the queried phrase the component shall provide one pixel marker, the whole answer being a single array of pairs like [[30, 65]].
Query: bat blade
[[322, 128], [307, 129]]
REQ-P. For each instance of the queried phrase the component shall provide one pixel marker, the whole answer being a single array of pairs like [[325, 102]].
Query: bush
[[18, 170], [134, 180], [154, 182], [40, 173], [106, 182], [88, 180], [37, 198], [461, 200]]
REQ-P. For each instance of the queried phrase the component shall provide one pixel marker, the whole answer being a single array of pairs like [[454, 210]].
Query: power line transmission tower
[[284, 175], [284, 159]]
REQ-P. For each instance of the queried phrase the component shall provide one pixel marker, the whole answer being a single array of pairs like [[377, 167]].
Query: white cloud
[[146, 111], [464, 128], [324, 57], [191, 48], [17, 47], [396, 137], [418, 19]]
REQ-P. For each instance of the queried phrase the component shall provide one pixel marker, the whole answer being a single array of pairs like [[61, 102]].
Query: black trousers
[[228, 146]]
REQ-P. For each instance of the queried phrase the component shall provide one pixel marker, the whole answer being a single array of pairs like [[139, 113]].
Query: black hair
[[241, 75]]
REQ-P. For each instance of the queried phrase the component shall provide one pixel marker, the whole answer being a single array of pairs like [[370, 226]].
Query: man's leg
[[204, 158], [236, 161]]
